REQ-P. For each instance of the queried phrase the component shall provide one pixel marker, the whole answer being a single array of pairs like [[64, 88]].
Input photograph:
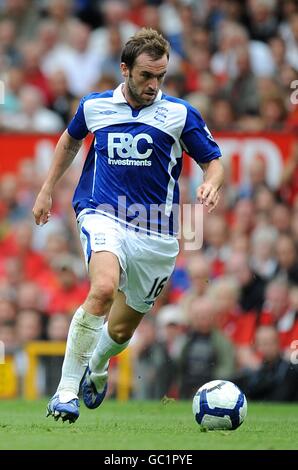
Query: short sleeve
[[77, 127], [196, 138]]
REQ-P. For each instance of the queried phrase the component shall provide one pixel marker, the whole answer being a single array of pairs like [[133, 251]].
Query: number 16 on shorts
[[157, 287]]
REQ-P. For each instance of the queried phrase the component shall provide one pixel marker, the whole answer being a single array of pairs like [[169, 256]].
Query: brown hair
[[146, 40]]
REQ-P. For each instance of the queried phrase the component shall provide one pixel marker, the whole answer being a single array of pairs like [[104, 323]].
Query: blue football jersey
[[135, 160]]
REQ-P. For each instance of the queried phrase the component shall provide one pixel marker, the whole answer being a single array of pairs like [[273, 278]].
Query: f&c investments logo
[[127, 149]]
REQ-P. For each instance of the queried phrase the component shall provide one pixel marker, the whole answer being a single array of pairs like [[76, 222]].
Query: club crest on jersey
[[128, 149], [161, 114], [99, 238]]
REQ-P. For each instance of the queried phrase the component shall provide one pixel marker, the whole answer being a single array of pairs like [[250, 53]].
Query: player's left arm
[[208, 191], [198, 142]]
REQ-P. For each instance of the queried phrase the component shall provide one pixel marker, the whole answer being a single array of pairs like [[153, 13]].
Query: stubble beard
[[135, 95]]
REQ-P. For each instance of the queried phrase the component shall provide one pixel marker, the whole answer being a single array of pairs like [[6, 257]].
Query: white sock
[[105, 349], [84, 333]]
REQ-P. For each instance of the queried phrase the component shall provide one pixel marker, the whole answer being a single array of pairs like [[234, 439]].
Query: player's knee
[[121, 333], [103, 294]]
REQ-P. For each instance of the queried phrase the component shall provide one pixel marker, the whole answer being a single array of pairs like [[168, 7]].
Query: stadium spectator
[[33, 117], [53, 50], [57, 327], [264, 202], [8, 310], [153, 368], [294, 226], [278, 50], [24, 16], [171, 24], [110, 64], [9, 53], [199, 271], [289, 187], [241, 90], [262, 19], [174, 85], [29, 326], [14, 84], [256, 178], [231, 36], [10, 200], [33, 75], [171, 324], [216, 240], [207, 353], [286, 253], [61, 99], [288, 9], [222, 115], [8, 336], [114, 14], [243, 217], [30, 297], [263, 260], [273, 113], [278, 311], [27, 181], [275, 379], [292, 41], [82, 66], [281, 218], [31, 262], [61, 13], [229, 318], [70, 291], [13, 272], [251, 285]]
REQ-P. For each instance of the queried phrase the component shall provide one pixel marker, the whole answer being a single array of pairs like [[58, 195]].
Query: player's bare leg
[[123, 320], [84, 334], [104, 274], [115, 337]]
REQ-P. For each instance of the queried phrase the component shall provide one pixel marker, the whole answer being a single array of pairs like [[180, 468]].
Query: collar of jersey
[[118, 96]]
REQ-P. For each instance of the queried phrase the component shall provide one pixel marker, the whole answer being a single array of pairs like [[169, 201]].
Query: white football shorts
[[146, 261]]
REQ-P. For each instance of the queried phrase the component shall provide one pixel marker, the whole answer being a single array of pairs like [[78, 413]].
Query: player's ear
[[124, 69]]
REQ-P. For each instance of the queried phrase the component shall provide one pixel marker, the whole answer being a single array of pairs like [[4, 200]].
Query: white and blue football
[[219, 405]]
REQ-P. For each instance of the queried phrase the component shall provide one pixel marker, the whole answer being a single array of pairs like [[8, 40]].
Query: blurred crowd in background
[[235, 60], [230, 310]]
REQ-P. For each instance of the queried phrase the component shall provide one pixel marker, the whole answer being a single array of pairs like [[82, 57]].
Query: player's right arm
[[66, 150]]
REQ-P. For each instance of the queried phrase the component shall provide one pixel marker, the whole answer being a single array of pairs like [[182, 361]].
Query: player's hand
[[42, 208], [208, 195]]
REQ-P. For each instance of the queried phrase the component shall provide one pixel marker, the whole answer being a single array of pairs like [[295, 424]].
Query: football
[[219, 405]]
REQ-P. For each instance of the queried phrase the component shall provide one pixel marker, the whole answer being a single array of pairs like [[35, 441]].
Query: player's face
[[143, 81]]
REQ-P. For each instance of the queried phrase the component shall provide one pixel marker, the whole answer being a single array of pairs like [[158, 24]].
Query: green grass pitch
[[144, 425]]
